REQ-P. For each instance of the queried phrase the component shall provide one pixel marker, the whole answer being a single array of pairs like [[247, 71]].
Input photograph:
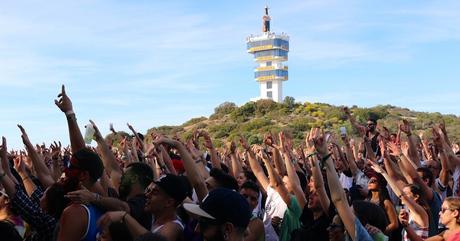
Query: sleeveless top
[[92, 229], [176, 221]]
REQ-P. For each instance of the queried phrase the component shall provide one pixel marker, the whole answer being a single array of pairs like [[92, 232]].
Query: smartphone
[[343, 131]]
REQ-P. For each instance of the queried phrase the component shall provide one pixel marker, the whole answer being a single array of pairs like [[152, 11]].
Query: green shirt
[[290, 220]]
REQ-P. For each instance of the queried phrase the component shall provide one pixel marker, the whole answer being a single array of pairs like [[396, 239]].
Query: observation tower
[[270, 51]]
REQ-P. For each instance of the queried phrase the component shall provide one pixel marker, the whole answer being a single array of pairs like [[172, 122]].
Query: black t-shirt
[[313, 229], [136, 205]]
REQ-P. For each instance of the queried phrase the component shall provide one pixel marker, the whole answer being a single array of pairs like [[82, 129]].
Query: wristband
[[69, 112]]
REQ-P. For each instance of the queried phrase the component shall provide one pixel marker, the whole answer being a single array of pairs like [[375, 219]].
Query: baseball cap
[[174, 186], [223, 205]]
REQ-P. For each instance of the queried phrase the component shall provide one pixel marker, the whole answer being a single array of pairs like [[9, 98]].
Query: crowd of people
[[377, 186]]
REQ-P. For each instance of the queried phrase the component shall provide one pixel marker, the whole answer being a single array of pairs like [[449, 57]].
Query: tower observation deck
[[270, 50]]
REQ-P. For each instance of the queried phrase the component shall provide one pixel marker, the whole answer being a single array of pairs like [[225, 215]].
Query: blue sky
[[163, 62]]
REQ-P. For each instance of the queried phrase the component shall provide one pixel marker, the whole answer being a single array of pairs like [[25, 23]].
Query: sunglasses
[[443, 210], [373, 181]]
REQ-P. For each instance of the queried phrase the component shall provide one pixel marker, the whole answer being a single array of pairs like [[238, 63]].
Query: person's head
[[250, 191], [223, 215], [165, 194], [314, 202], [245, 176], [415, 192], [376, 181], [136, 178], [450, 211], [370, 213], [217, 178], [116, 231], [53, 200], [371, 124], [426, 174], [287, 184], [86, 166], [336, 229]]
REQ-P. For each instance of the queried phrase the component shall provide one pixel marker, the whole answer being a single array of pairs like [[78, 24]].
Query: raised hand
[[317, 136], [207, 139], [97, 134], [4, 156], [56, 150], [167, 141], [64, 103], [25, 138], [404, 126], [19, 163], [244, 143], [268, 140], [394, 148], [232, 147], [112, 129], [376, 167]]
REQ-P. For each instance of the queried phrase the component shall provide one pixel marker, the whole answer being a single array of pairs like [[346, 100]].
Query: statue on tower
[[266, 21]]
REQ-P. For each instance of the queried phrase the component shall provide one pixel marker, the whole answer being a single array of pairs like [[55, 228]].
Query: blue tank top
[[92, 229]]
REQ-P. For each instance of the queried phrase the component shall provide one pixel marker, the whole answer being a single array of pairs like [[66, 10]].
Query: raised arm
[[337, 193], [318, 180], [275, 179], [413, 176], [6, 178], [108, 158], [293, 177], [215, 162], [412, 152], [65, 105], [361, 129], [43, 173], [138, 138], [193, 176], [419, 214], [236, 165], [255, 166]]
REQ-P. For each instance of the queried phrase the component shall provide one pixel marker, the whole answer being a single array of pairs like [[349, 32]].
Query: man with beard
[[370, 130], [223, 215]]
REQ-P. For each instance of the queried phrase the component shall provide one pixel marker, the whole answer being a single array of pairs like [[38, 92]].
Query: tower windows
[[269, 94], [269, 84]]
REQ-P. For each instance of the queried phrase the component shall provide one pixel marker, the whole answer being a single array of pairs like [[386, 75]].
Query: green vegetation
[[254, 119]]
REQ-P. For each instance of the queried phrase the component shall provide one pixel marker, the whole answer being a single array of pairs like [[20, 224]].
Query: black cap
[[88, 160], [174, 186], [223, 205]]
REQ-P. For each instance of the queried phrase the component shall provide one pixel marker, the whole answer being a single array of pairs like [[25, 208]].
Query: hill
[[254, 119]]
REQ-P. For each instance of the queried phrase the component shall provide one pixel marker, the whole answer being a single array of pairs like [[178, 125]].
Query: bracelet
[[311, 154], [69, 112], [25, 178], [97, 196]]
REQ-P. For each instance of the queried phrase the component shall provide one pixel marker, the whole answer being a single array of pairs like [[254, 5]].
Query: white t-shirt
[[274, 207], [346, 182], [456, 176]]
